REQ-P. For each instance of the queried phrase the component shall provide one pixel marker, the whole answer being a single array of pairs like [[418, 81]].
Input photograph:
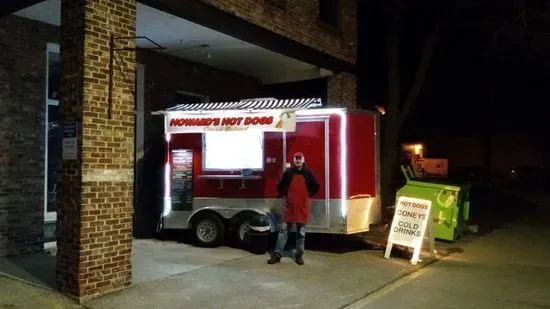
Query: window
[[54, 74], [329, 12], [53, 130], [235, 150]]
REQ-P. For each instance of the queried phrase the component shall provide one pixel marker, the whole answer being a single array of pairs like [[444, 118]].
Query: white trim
[[140, 110], [343, 163], [50, 245], [325, 120], [49, 216], [139, 127], [53, 47]]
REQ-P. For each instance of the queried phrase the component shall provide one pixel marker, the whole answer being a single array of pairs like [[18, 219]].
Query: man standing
[[297, 185]]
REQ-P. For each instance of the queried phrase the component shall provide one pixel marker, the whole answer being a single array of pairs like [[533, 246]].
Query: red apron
[[297, 201]]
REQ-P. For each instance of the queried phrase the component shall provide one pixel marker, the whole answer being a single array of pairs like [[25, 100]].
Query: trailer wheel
[[208, 230], [240, 227]]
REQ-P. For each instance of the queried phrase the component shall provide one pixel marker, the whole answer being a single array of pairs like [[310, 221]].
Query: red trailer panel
[[361, 161]]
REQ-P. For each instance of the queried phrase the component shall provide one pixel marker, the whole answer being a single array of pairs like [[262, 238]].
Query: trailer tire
[[239, 228], [208, 230]]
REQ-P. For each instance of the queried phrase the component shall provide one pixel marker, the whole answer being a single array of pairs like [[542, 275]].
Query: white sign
[[70, 141], [411, 220], [267, 121]]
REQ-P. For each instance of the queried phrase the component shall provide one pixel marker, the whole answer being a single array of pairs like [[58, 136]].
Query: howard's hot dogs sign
[[269, 121]]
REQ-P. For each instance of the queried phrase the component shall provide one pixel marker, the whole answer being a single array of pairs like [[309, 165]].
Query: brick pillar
[[342, 90], [94, 218]]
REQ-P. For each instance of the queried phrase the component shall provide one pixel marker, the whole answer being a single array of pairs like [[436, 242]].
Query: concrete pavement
[[508, 268], [172, 275], [327, 280]]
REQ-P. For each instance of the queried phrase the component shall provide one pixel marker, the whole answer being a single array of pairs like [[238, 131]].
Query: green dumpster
[[450, 203]]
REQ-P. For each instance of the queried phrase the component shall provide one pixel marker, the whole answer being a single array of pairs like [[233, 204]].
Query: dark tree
[[492, 31]]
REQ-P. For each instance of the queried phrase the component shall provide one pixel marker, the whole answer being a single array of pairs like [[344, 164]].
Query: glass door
[[52, 139]]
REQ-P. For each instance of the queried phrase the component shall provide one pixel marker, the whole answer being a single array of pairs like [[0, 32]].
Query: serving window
[[234, 150]]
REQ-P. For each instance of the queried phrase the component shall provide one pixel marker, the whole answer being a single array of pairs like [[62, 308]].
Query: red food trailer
[[224, 160]]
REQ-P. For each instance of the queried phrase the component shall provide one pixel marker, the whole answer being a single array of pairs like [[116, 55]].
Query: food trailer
[[224, 160]]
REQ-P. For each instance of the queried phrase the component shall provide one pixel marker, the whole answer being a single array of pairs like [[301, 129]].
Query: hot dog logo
[[284, 118]]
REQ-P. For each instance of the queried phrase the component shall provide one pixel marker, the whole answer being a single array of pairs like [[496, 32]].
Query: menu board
[[182, 180]]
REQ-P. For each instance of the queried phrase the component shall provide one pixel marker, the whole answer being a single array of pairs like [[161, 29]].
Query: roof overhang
[[188, 40], [232, 25], [9, 7], [211, 17]]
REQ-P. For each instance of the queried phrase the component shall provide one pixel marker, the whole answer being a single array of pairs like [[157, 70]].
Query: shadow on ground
[[37, 268], [329, 243], [490, 209]]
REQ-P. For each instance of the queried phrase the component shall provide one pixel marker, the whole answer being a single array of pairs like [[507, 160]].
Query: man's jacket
[[297, 186], [311, 182]]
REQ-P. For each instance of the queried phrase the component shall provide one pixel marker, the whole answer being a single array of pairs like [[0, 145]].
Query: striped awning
[[251, 104]]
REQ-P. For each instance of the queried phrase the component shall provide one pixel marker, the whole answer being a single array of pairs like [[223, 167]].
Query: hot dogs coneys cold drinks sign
[[411, 225]]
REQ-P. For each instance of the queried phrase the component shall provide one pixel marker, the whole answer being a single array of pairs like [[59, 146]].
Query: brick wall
[[95, 215], [22, 105], [164, 75], [299, 21], [342, 90]]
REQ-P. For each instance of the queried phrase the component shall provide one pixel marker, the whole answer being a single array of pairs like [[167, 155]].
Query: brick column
[[342, 90], [94, 218]]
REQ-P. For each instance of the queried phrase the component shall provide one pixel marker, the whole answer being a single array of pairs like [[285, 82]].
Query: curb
[[401, 277]]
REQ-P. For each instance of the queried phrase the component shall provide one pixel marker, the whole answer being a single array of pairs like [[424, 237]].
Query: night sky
[[455, 94]]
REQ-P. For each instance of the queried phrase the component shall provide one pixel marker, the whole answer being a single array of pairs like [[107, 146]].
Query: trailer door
[[311, 138]]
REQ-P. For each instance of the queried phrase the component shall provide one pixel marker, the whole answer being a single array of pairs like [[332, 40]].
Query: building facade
[[77, 85]]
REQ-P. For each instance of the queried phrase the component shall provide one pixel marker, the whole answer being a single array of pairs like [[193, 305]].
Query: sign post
[[411, 222]]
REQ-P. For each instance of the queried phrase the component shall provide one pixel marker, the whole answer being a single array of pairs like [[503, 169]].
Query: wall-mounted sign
[[70, 141], [411, 222], [267, 121]]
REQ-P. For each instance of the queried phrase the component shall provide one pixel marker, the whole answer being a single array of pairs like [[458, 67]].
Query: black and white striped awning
[[250, 104]]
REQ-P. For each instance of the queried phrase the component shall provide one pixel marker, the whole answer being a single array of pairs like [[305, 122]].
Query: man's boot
[[299, 258], [274, 259]]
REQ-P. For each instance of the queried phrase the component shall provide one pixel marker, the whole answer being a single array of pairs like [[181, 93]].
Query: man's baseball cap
[[299, 154]]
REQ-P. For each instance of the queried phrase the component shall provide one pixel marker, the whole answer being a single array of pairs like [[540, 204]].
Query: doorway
[[311, 138], [52, 142]]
